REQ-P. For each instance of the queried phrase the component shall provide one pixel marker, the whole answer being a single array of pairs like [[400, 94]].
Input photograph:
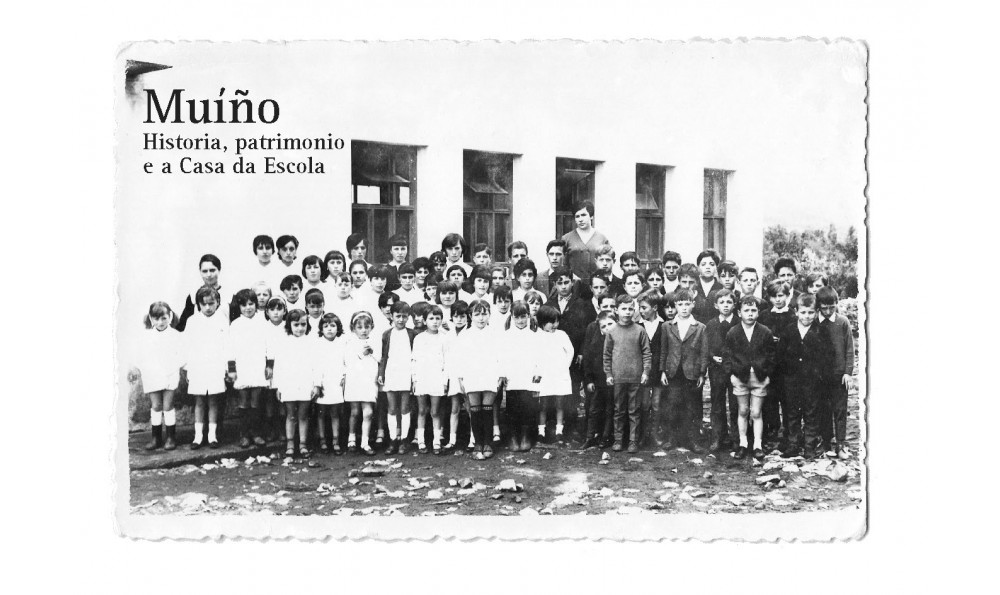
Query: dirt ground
[[546, 480]]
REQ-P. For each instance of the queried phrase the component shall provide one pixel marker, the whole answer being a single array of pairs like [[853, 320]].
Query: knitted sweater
[[627, 355]]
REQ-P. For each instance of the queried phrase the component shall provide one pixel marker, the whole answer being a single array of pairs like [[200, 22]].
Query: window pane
[[359, 221], [369, 195], [501, 237], [403, 218], [404, 196], [380, 236], [483, 225], [468, 229]]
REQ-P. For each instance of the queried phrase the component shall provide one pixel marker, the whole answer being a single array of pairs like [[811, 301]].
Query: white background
[[933, 303]]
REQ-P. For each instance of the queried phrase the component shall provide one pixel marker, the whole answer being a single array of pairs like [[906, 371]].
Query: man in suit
[[748, 358]]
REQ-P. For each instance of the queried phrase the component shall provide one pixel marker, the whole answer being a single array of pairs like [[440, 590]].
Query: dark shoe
[[741, 453], [352, 448], [437, 449], [170, 443], [694, 448], [379, 441], [607, 442], [590, 443], [393, 447], [305, 452], [401, 447], [422, 449], [368, 450], [157, 440], [617, 447], [791, 451], [213, 444], [633, 447], [758, 454], [195, 445], [323, 448], [669, 445], [244, 442], [337, 450]]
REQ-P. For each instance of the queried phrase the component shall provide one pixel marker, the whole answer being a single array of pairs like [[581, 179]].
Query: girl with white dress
[[556, 351], [248, 352], [430, 376], [274, 322], [296, 377], [331, 369], [158, 362], [476, 360], [395, 375], [362, 354], [206, 351], [521, 375]]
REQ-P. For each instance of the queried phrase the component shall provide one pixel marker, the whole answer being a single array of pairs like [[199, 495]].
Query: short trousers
[[755, 388]]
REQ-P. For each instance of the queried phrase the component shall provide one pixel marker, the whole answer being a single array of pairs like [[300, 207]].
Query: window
[[487, 200], [385, 195], [574, 183], [716, 181], [650, 182]]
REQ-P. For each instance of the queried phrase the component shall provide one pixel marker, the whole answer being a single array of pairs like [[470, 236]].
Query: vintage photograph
[[472, 289]]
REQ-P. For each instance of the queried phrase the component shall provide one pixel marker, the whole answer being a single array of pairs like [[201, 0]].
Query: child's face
[[431, 292], [517, 254], [498, 279], [748, 313], [263, 297], [780, 300], [670, 269], [378, 284], [556, 257], [398, 254], [399, 320], [421, 276], [480, 318], [387, 310], [454, 253], [605, 325], [299, 327], [526, 279], [670, 311], [599, 287], [358, 275], [313, 273], [482, 259], [329, 331], [264, 253], [630, 266], [292, 293], [786, 274], [684, 308], [564, 287], [625, 311], [459, 320], [604, 262], [406, 281], [828, 310], [360, 252], [419, 322], [647, 311], [816, 286], [335, 266], [550, 327], [707, 268], [521, 321], [607, 304], [314, 310], [433, 323], [533, 307], [209, 305], [805, 314], [633, 286], [209, 274], [287, 252], [248, 309], [748, 283], [503, 306], [654, 281], [362, 328], [439, 264], [161, 322], [343, 288], [448, 298], [728, 279], [725, 305], [457, 277], [480, 286], [686, 281], [276, 315]]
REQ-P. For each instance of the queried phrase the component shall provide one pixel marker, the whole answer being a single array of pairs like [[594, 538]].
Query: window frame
[[378, 246], [483, 168], [646, 218], [564, 220], [715, 210]]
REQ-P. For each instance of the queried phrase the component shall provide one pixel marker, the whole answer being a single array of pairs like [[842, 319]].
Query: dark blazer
[[687, 355], [593, 356], [841, 337], [739, 356], [704, 308], [776, 322], [656, 347], [386, 336], [809, 357], [716, 330], [574, 320]]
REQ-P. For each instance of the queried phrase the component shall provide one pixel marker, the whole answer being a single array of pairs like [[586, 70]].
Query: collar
[[744, 327], [781, 311], [726, 319]]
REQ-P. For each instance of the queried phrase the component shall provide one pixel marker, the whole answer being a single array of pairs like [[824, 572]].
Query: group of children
[[374, 344]]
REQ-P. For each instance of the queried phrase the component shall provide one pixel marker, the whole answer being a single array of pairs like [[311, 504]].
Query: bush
[[815, 251]]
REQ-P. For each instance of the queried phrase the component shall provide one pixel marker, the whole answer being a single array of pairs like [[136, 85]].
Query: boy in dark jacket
[[748, 358], [684, 362], [723, 424], [601, 401], [805, 360], [649, 395], [841, 336]]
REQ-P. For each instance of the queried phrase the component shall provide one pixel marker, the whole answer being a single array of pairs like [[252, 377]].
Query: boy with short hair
[[728, 274], [687, 276], [786, 271], [555, 252], [599, 285], [684, 361], [482, 255], [748, 358], [841, 335], [627, 362], [650, 393], [723, 423], [629, 263], [407, 290], [600, 401], [804, 356], [604, 260], [291, 286], [422, 268], [398, 247], [671, 265], [749, 280], [708, 264]]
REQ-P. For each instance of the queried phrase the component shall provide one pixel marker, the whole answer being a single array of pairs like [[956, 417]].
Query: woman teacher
[[582, 243]]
